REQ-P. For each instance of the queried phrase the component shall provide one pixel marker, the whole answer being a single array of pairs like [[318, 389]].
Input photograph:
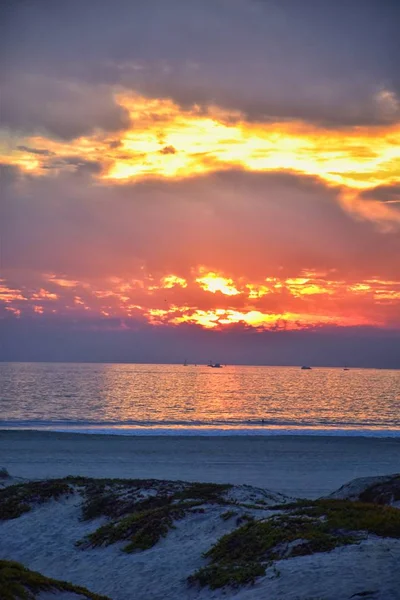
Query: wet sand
[[301, 466]]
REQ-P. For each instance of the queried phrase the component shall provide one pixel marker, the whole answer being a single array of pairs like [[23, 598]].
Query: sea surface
[[175, 399]]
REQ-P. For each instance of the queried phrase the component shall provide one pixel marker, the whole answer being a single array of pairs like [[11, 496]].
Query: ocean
[[129, 399]]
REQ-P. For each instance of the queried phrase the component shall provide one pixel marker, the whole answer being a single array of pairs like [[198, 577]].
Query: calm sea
[[174, 399]]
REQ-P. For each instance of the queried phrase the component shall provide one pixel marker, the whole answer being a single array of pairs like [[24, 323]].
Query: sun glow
[[211, 282]]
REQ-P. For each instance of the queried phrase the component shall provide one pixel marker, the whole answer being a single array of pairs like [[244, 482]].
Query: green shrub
[[142, 529], [18, 499], [19, 583], [4, 474], [303, 528]]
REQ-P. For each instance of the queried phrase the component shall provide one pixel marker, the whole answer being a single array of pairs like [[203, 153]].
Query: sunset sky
[[181, 179]]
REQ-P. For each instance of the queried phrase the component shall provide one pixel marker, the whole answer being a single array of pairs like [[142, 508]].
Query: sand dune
[[44, 539]]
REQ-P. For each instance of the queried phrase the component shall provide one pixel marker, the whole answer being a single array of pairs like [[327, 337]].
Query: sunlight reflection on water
[[125, 395]]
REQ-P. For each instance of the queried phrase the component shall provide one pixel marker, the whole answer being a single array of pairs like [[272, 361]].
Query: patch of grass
[[228, 515], [306, 527], [246, 518], [382, 493], [141, 522], [220, 575], [207, 492], [254, 506], [99, 504], [19, 583], [381, 520], [142, 529], [4, 474], [18, 499], [105, 501]]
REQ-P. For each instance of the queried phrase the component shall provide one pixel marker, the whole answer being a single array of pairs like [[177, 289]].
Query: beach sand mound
[[150, 540], [380, 490]]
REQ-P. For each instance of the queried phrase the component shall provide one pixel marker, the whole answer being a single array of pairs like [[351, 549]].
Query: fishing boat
[[305, 368], [214, 365]]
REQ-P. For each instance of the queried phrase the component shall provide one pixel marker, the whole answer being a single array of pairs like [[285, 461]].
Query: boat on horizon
[[214, 365], [306, 368]]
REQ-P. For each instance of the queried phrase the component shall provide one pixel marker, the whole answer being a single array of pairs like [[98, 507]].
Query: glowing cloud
[[211, 282], [171, 281], [358, 157]]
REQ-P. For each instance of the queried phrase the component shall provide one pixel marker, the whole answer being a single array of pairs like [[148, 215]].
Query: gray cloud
[[39, 151], [384, 193], [78, 164], [327, 62], [41, 104], [30, 339]]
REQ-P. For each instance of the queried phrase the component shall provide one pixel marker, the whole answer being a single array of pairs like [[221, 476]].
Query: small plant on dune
[[303, 528], [142, 522], [4, 474], [142, 529], [18, 499], [19, 583], [228, 515], [220, 575], [246, 518], [106, 502], [207, 492], [383, 493]]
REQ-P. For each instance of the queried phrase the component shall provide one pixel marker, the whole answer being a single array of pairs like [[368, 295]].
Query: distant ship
[[185, 363], [305, 368], [214, 365]]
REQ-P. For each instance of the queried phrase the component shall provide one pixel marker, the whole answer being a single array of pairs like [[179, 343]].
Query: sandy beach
[[297, 466], [267, 472]]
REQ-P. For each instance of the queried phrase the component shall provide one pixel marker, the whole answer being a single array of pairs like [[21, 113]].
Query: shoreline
[[296, 465], [199, 431]]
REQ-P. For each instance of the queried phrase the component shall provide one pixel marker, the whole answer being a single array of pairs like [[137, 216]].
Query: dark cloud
[[384, 193], [245, 224], [33, 104], [30, 339], [77, 163], [168, 150], [39, 151], [9, 174], [328, 62]]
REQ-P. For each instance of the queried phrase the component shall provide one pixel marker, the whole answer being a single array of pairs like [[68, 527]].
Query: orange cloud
[[211, 282], [308, 300], [170, 281]]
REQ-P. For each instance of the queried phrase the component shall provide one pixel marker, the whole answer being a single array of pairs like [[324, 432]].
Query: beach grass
[[19, 583], [302, 528], [17, 499], [386, 492], [142, 529], [142, 522], [4, 474]]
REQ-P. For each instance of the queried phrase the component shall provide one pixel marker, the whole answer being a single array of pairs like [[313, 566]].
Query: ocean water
[[174, 399]]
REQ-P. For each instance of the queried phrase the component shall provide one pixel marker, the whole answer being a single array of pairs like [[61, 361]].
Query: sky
[[215, 180]]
